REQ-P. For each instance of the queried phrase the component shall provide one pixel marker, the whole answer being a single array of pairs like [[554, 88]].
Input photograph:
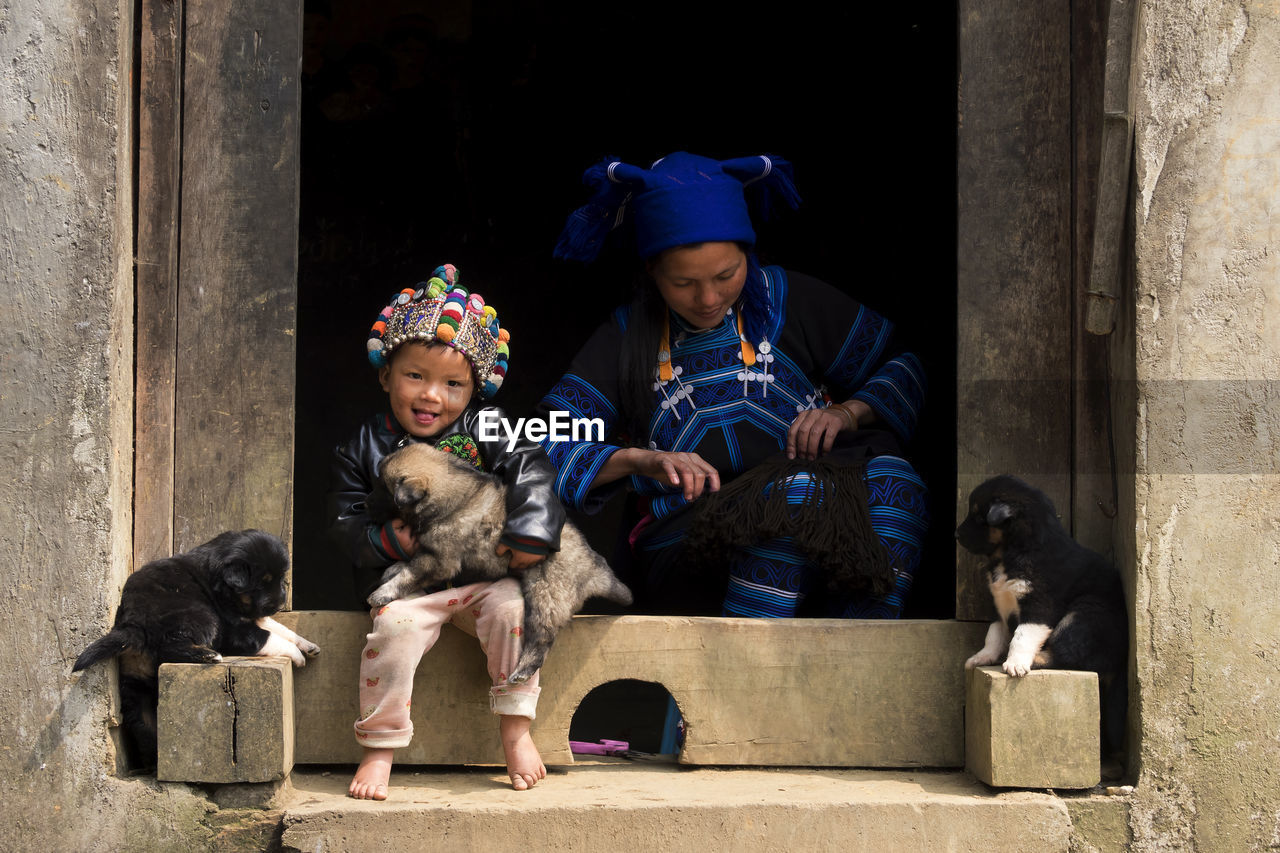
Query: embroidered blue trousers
[[773, 578]]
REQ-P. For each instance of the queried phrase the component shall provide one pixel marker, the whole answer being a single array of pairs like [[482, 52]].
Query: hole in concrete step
[[642, 713]]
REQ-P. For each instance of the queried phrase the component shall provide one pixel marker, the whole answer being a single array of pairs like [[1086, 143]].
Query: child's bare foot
[[373, 774], [524, 764]]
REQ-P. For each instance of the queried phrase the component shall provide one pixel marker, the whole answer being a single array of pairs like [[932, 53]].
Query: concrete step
[[613, 805]]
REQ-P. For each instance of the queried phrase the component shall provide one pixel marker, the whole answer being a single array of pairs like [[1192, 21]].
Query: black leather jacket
[[534, 512]]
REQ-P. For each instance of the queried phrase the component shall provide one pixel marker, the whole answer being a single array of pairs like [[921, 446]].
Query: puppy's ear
[[236, 574], [408, 495], [998, 513], [379, 504]]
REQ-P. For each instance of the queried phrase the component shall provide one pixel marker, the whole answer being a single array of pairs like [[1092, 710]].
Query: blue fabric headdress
[[680, 199]]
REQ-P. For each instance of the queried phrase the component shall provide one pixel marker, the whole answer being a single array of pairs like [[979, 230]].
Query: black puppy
[[1061, 605], [193, 608]]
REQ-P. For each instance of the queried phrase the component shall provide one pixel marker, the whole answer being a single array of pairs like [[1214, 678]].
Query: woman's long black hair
[[638, 361]]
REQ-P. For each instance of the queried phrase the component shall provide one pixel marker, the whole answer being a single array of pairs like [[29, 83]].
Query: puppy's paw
[[982, 658], [397, 582], [308, 648], [277, 645], [993, 648], [1017, 666], [204, 654], [392, 572]]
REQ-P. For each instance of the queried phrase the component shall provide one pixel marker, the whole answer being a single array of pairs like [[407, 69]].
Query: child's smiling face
[[429, 387]]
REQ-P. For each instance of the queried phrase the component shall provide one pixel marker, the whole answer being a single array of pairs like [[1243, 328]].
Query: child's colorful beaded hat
[[439, 310]]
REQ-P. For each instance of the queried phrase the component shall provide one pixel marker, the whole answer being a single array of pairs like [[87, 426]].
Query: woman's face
[[700, 283]]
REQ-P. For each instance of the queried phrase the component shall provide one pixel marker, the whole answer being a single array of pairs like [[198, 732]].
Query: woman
[[722, 368]]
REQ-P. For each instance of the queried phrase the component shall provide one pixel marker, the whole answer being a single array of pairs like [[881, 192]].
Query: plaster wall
[[1206, 323], [66, 362]]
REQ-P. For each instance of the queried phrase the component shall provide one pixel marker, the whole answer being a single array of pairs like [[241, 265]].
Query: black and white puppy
[[1061, 605], [194, 607]]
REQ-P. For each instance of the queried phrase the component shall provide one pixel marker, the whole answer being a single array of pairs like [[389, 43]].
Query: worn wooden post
[[1015, 301], [159, 178], [238, 276]]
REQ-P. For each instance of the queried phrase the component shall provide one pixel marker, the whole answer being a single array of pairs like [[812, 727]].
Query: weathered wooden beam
[[1113, 170], [238, 272], [1015, 299], [156, 259], [1093, 493]]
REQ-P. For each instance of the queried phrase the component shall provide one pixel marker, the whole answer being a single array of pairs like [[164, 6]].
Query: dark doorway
[[458, 131]]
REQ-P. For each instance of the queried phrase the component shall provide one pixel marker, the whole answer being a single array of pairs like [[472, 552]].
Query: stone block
[[1099, 823], [1038, 731], [801, 692], [226, 722]]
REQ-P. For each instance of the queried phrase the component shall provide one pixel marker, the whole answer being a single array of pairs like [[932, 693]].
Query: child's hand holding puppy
[[519, 560]]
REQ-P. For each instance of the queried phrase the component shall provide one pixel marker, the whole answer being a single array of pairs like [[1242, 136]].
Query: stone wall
[[66, 389], [1206, 530]]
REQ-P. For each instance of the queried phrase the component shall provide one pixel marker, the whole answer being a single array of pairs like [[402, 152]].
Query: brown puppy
[[457, 514]]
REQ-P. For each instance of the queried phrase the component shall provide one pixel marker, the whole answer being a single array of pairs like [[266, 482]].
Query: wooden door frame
[[218, 141], [214, 434], [156, 274], [1032, 396]]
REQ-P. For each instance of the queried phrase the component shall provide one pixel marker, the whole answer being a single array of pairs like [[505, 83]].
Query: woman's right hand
[[689, 471]]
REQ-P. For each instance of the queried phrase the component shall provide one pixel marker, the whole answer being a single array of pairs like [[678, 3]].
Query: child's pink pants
[[405, 629]]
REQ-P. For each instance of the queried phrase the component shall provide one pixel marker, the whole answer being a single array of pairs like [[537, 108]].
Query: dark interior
[[458, 131]]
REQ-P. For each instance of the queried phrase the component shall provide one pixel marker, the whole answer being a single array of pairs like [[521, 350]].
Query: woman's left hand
[[814, 431]]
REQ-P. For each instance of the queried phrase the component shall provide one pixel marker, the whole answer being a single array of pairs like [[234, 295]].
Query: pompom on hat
[[440, 310], [681, 199]]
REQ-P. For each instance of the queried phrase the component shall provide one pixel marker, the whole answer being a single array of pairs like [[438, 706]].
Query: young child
[[438, 351]]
